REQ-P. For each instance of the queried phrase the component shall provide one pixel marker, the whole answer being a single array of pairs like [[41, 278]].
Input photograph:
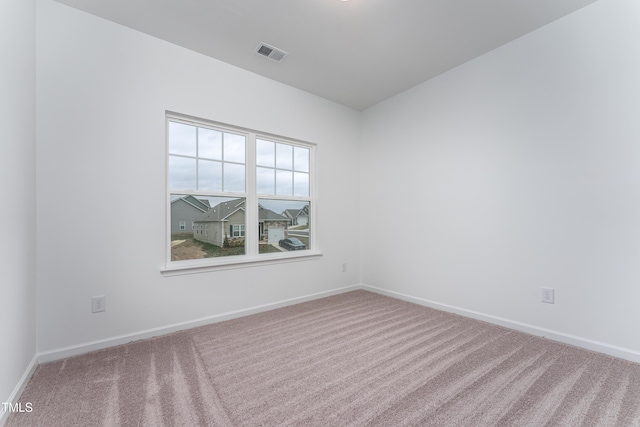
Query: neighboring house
[[298, 216], [184, 211], [271, 226], [227, 219]]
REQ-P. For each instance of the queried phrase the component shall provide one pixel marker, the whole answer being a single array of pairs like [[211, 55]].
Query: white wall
[[17, 175], [102, 94], [517, 170], [514, 171]]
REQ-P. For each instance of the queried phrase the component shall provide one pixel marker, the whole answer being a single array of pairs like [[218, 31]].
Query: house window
[[237, 230], [248, 195]]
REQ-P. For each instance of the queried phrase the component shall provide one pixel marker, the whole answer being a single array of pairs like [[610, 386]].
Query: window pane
[[209, 175], [283, 225], [301, 159], [209, 144], [301, 184], [234, 177], [284, 183], [265, 153], [182, 173], [234, 148], [182, 139], [265, 180], [213, 220], [284, 156]]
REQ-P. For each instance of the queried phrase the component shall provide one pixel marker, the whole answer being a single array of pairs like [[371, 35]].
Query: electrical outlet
[[344, 267], [98, 304], [548, 295]]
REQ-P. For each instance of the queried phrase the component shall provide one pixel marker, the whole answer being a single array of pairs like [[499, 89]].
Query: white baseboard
[[62, 353], [17, 391], [600, 347]]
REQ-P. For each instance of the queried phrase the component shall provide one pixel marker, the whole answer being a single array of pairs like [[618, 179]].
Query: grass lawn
[[190, 248], [214, 251], [299, 227], [267, 249]]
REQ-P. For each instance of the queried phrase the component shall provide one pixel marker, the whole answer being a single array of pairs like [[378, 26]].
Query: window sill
[[195, 267]]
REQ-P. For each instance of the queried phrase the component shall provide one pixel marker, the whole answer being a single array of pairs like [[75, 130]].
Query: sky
[[209, 160]]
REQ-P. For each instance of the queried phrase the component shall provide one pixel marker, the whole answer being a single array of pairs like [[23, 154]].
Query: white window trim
[[251, 258]]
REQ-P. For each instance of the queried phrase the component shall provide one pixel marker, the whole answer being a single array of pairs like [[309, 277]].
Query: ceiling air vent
[[271, 52]]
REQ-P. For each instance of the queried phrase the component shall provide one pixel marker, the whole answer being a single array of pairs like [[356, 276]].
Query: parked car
[[292, 244]]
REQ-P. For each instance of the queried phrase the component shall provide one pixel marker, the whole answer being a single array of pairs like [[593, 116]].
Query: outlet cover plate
[[547, 295], [98, 304]]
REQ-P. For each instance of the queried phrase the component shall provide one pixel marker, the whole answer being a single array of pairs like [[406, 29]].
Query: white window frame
[[251, 257], [182, 225]]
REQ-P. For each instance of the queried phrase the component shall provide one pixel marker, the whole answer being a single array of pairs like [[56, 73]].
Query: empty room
[[320, 213]]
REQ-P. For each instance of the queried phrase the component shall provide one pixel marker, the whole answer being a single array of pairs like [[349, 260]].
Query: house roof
[[224, 210], [265, 214], [293, 213], [202, 205]]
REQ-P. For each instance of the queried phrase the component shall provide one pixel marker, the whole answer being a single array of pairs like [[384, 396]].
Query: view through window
[[236, 193]]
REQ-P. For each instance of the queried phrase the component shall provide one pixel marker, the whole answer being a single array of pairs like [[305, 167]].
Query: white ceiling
[[356, 52]]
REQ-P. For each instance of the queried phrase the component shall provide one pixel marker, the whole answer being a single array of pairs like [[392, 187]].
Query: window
[[248, 195], [237, 230]]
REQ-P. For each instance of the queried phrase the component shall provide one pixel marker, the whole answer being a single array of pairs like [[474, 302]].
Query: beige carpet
[[356, 359]]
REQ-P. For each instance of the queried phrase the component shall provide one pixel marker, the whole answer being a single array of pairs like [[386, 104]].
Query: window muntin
[[221, 165], [282, 169], [206, 159]]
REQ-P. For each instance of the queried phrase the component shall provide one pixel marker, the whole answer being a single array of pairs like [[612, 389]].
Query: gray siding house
[[298, 216], [184, 211], [227, 219]]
